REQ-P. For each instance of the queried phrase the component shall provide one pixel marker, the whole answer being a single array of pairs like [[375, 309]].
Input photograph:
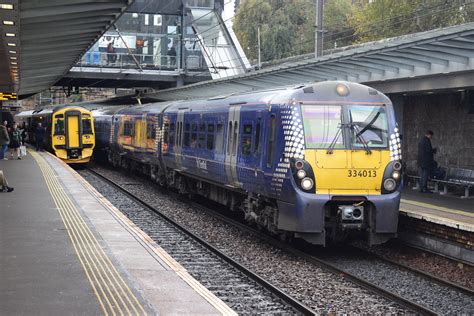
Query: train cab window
[[59, 126], [271, 141], [86, 126]]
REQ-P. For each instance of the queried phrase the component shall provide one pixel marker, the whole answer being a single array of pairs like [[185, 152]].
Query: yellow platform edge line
[[73, 220], [85, 265], [162, 254], [437, 208], [88, 240], [109, 265]]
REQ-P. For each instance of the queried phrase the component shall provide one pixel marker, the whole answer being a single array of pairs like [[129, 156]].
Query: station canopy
[[41, 40], [432, 60]]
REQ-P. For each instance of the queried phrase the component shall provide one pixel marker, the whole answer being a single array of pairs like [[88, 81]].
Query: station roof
[[43, 39], [437, 59]]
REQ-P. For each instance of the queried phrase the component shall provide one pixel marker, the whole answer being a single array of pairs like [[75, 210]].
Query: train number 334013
[[351, 173]]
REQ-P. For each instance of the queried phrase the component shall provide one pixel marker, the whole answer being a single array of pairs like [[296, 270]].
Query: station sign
[[4, 96]]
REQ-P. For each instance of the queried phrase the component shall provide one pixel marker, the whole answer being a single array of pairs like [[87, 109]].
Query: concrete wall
[[447, 116]]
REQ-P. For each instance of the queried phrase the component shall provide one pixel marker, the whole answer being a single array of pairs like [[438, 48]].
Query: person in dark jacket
[[15, 141], [426, 160], [4, 141], [39, 137]]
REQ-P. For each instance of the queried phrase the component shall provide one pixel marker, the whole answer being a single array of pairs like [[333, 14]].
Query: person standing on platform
[[425, 160], [4, 141], [39, 137], [4, 183], [15, 141]]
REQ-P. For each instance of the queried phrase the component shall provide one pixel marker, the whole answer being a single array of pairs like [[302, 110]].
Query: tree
[[389, 18], [286, 26]]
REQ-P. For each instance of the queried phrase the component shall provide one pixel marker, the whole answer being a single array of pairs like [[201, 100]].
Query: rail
[[274, 290]]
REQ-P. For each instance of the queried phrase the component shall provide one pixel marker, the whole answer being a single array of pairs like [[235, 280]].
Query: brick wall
[[447, 116]]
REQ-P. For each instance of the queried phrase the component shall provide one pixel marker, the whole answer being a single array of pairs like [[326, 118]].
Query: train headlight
[[307, 184], [389, 184], [342, 89], [299, 164], [397, 165], [301, 174], [396, 175]]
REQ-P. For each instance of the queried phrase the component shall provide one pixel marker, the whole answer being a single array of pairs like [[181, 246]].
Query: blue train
[[320, 162]]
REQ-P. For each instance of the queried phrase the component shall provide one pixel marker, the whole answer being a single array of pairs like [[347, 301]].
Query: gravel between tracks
[[242, 294], [322, 291]]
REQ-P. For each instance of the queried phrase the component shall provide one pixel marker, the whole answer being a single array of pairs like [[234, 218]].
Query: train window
[[236, 131], [86, 126], [246, 145], [271, 141], [219, 139], [193, 140], [60, 116], [256, 149], [247, 129], [150, 131], [210, 141], [202, 139], [59, 127], [127, 128], [229, 138], [172, 134]]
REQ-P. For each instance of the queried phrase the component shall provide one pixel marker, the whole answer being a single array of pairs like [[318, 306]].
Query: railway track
[[295, 305], [330, 265]]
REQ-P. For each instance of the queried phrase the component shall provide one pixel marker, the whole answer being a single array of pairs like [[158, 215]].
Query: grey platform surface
[[40, 272]]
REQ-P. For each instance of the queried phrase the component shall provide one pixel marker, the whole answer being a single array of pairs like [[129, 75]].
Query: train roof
[[316, 92]]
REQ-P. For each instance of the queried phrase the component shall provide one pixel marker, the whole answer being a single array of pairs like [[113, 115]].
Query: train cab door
[[73, 121], [178, 141], [232, 145]]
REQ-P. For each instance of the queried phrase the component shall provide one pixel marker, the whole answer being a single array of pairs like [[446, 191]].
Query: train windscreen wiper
[[334, 140], [360, 138]]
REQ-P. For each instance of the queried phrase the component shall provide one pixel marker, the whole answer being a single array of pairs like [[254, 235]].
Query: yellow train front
[[69, 131]]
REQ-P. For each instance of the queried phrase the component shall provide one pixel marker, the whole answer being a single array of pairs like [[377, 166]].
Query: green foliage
[[389, 18], [287, 26]]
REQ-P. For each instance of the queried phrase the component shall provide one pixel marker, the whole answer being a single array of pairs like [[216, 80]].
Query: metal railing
[[124, 61]]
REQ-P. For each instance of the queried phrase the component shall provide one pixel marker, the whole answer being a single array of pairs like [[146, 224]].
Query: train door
[[178, 141], [232, 145], [73, 120]]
